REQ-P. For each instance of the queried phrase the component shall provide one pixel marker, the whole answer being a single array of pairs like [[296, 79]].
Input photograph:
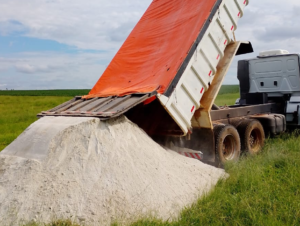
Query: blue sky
[[67, 44], [17, 43]]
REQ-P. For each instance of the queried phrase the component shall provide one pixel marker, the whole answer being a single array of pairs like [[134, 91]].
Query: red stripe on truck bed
[[198, 156]]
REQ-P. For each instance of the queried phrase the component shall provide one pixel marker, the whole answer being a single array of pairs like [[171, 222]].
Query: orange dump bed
[[156, 49]]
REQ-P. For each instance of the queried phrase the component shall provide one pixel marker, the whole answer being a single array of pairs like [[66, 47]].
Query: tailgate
[[104, 108]]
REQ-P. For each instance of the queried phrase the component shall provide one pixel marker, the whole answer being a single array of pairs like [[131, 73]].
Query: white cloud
[[5, 64], [271, 25], [25, 68], [296, 11], [104, 25], [3, 68], [91, 24], [52, 70], [278, 33], [268, 25], [8, 27]]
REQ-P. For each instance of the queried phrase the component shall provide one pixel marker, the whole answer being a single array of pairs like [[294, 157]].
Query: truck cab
[[273, 76]]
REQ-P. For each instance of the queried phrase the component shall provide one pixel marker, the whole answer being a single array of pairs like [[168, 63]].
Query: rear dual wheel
[[248, 137], [227, 143], [252, 136]]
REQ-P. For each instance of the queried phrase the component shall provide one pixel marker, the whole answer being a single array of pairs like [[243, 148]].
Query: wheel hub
[[228, 148], [254, 140]]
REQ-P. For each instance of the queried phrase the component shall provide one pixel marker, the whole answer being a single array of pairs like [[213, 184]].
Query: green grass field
[[18, 112], [66, 92], [226, 89], [226, 99], [80, 92], [261, 190]]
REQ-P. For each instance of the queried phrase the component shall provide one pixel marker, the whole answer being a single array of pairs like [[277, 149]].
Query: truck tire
[[235, 122], [228, 145], [252, 136]]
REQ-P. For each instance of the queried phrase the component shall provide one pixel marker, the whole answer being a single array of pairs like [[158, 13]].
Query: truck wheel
[[252, 136], [228, 145]]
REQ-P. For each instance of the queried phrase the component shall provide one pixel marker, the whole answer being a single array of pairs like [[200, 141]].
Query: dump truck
[[167, 75]]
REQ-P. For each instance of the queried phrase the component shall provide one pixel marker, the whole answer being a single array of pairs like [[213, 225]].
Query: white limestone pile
[[95, 172]]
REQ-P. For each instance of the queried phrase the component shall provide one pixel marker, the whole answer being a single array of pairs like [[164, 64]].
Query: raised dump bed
[[166, 65]]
